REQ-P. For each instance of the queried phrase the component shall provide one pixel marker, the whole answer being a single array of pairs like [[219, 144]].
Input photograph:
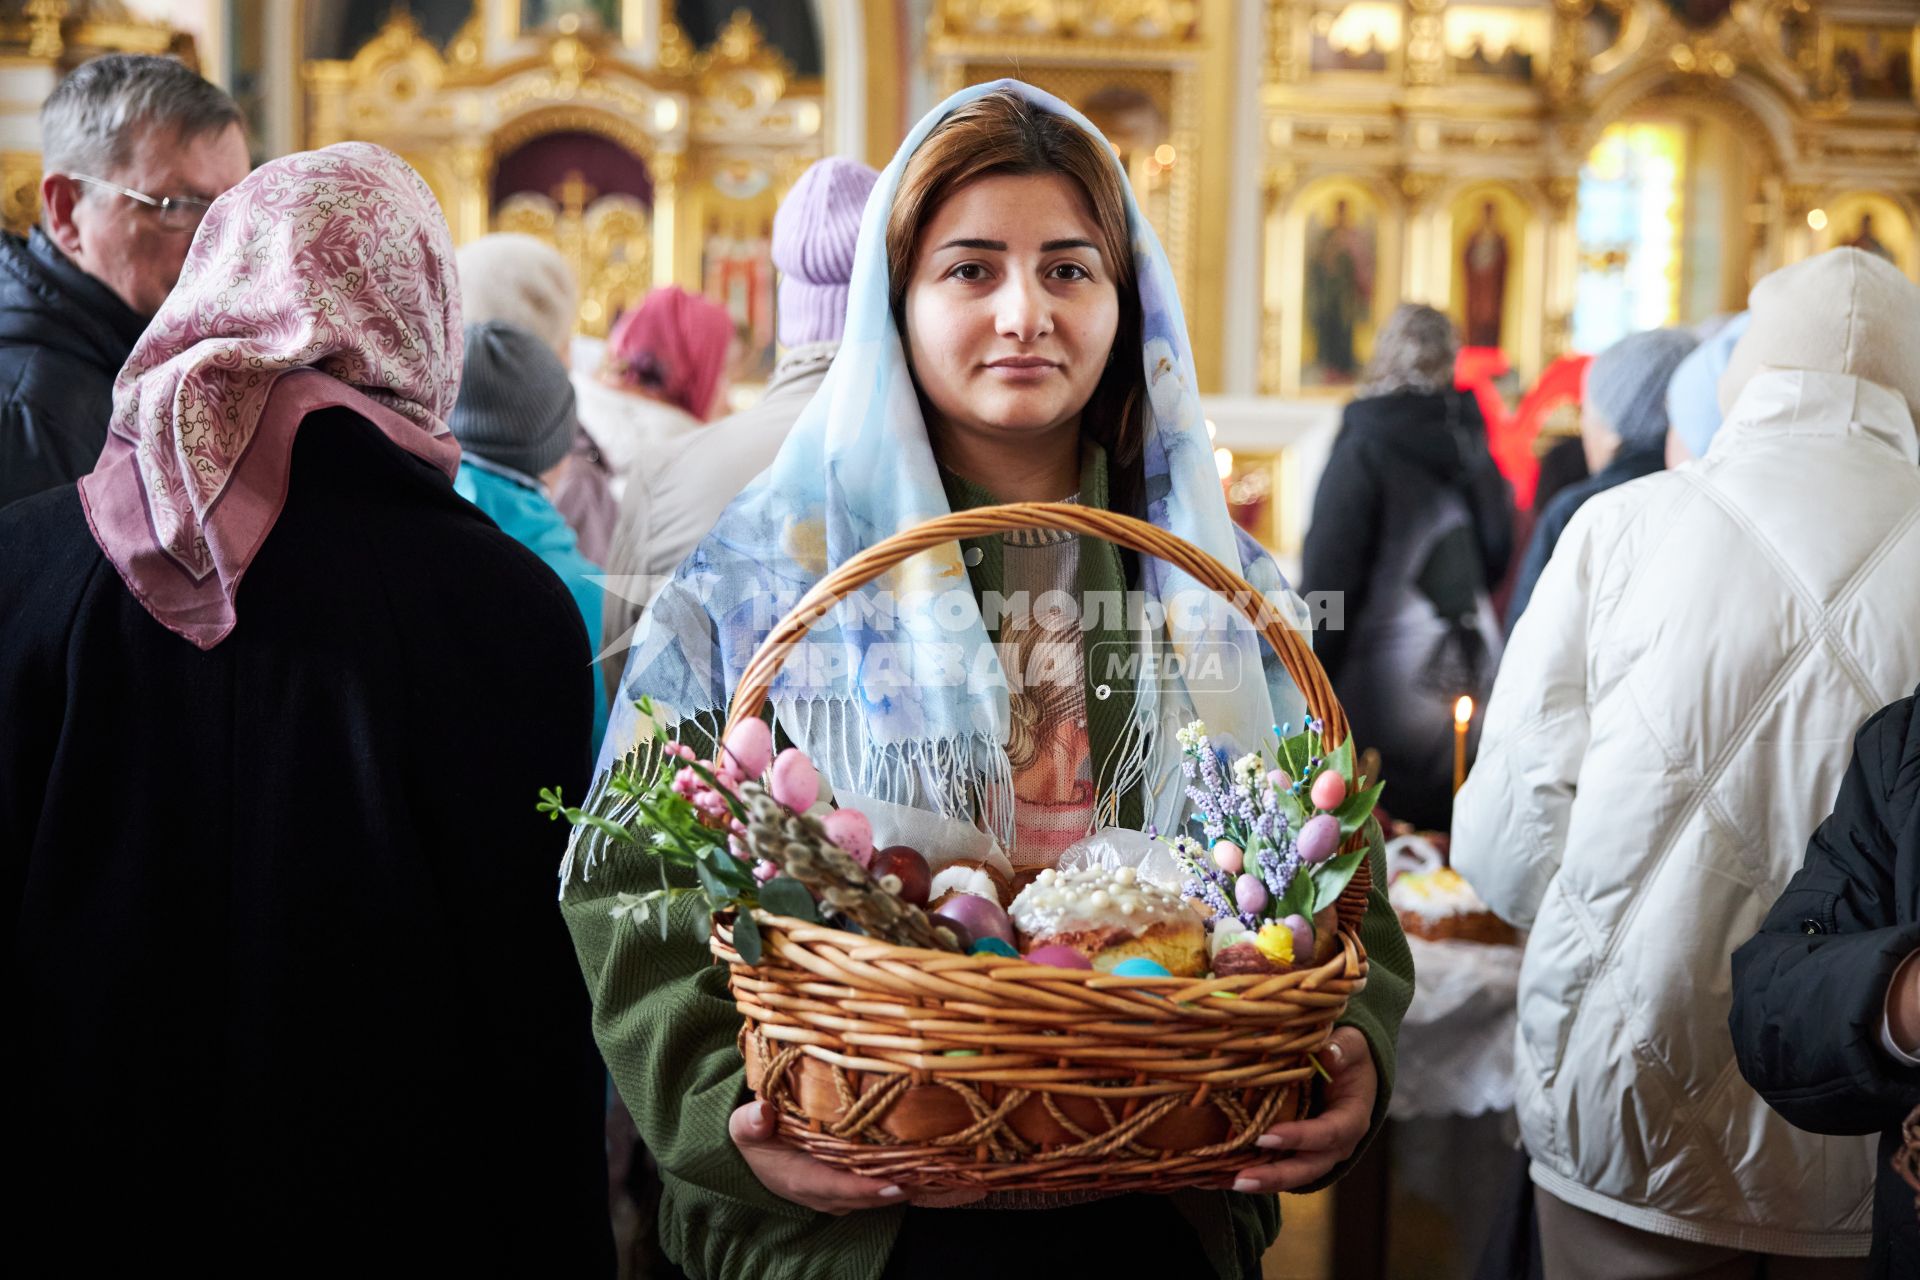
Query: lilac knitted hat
[[814, 232]]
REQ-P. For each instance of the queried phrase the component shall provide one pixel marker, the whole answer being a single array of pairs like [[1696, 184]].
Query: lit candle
[[1462, 717]]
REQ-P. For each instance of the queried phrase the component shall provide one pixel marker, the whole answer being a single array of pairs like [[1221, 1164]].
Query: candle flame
[[1463, 710]]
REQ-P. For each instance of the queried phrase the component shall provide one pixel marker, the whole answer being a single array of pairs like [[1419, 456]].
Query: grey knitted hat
[[1627, 384], [516, 402]]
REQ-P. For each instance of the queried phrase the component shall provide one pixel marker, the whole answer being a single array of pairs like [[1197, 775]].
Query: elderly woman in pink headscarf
[[664, 374], [278, 703]]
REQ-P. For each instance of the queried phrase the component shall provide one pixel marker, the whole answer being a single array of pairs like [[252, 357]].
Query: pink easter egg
[[794, 781], [1279, 779], [749, 748], [1229, 857], [1319, 838], [1059, 958], [1329, 789], [850, 829]]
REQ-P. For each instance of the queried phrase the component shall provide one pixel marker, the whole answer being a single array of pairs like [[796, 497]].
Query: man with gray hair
[[134, 149]]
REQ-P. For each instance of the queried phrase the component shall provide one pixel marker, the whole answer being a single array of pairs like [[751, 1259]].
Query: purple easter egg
[[1319, 838], [1302, 938], [1250, 895], [983, 918]]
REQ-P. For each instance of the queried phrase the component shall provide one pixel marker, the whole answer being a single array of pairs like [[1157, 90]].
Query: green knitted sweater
[[667, 1025]]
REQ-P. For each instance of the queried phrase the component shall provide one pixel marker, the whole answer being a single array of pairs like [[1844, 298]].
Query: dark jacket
[[1413, 524], [284, 971], [63, 337], [1553, 521], [1810, 989]]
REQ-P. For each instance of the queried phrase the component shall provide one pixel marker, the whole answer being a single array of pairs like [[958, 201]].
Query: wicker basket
[[942, 1071]]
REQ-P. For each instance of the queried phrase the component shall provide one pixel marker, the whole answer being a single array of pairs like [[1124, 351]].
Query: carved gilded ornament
[[43, 25], [1426, 43], [1137, 20], [458, 114]]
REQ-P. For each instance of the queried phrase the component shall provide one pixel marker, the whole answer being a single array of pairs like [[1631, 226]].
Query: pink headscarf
[[325, 278], [673, 345]]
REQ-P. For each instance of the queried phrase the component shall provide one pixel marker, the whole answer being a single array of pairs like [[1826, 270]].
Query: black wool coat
[[1810, 989], [63, 337], [1413, 525], [287, 987]]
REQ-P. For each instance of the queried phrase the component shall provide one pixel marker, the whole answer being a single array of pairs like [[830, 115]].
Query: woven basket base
[[1066, 1082]]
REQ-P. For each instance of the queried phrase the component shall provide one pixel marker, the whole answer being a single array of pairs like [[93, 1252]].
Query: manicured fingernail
[[1246, 1184], [891, 1193], [1270, 1142]]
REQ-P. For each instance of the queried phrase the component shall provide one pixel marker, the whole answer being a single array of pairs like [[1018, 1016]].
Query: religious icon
[[1700, 14], [737, 272], [1875, 62], [1339, 293], [1510, 63], [1486, 273], [1358, 38], [1047, 744], [1863, 238]]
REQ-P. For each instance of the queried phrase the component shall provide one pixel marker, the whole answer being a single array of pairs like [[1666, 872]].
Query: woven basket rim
[[1243, 989]]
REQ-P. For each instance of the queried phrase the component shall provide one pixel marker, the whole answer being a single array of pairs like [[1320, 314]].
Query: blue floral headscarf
[[916, 712]]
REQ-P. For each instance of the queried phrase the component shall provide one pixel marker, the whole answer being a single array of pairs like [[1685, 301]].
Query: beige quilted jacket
[[1670, 723]]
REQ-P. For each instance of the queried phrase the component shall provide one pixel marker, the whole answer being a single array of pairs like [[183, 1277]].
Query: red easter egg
[[916, 879]]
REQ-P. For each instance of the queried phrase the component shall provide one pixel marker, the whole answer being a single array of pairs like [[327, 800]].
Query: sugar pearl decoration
[[1091, 897]]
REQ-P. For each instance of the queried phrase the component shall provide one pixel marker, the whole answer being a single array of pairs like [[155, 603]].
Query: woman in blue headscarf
[[1012, 334]]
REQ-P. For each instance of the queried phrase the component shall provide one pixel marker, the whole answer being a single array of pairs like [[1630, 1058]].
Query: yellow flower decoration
[[1275, 942]]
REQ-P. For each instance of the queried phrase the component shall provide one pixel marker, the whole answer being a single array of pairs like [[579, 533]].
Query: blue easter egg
[[995, 947], [1140, 967]]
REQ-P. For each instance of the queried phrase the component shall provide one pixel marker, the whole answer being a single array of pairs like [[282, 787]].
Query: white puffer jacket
[[1671, 722]]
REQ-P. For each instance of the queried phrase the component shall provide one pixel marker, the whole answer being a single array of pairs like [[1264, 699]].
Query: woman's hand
[[1314, 1146], [793, 1175]]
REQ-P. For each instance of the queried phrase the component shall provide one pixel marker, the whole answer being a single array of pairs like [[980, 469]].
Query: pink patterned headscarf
[[325, 279], [673, 345]]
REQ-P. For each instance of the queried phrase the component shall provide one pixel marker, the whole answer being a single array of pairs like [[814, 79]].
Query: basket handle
[[750, 695]]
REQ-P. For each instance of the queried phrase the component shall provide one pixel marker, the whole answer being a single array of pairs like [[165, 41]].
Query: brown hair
[[1003, 133]]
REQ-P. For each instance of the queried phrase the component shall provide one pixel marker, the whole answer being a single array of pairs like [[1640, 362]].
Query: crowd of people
[[319, 558]]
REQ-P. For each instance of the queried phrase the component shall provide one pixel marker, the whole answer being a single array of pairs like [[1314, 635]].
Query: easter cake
[[1111, 916], [1439, 905]]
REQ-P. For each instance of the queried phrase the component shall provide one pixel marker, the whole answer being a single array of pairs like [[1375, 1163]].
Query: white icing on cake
[[1095, 898], [1435, 895]]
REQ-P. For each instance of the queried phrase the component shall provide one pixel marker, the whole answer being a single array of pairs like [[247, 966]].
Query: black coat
[[1413, 524], [1810, 989], [63, 337], [287, 985]]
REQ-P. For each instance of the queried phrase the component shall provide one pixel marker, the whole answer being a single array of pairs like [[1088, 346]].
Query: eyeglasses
[[178, 213]]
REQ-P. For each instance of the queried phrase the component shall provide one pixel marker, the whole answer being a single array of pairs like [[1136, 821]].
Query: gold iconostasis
[[1554, 173]]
